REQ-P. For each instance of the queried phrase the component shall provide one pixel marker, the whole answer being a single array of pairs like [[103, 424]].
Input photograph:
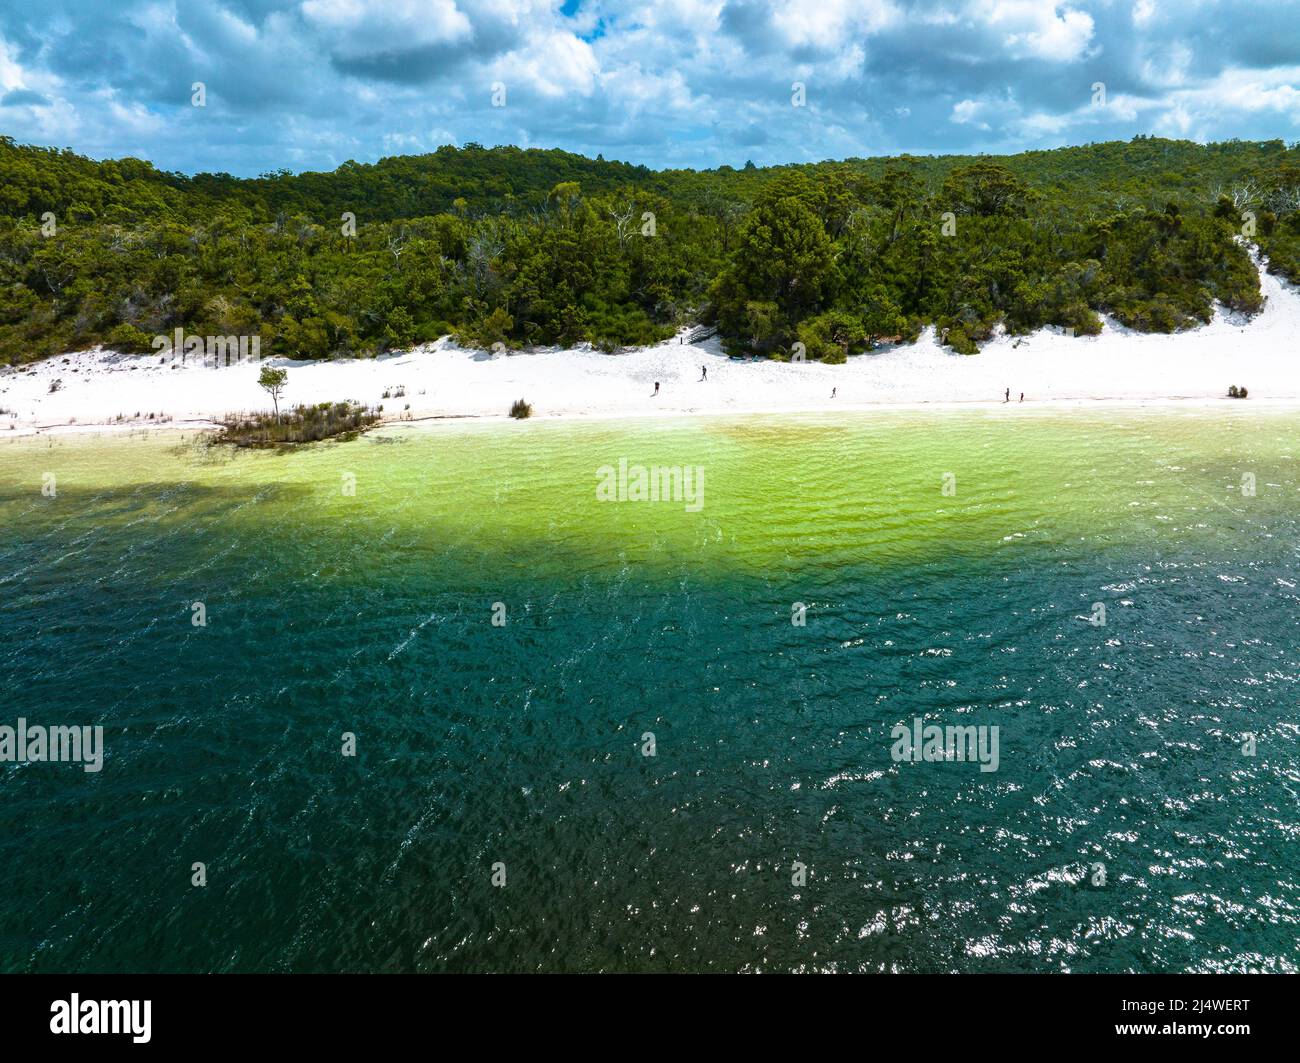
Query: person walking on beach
[[1008, 398], [833, 390], [1022, 396], [656, 394], [704, 373]]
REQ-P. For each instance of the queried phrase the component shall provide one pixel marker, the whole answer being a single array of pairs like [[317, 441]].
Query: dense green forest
[[528, 247]]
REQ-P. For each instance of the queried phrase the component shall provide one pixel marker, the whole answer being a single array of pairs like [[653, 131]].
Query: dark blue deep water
[[1125, 828]]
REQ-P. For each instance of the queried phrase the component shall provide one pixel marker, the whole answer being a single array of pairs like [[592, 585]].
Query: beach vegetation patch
[[302, 424]]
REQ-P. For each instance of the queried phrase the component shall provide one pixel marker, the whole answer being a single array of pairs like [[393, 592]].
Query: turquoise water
[[371, 613]]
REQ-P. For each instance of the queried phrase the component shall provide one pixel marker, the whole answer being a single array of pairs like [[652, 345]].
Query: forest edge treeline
[[537, 247]]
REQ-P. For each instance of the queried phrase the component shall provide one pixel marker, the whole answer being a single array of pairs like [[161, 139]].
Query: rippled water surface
[[1121, 745]]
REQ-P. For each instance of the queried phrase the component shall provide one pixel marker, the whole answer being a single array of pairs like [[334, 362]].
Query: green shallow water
[[1120, 745]]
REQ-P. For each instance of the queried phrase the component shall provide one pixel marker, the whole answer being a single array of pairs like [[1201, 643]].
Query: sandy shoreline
[[89, 428], [102, 389]]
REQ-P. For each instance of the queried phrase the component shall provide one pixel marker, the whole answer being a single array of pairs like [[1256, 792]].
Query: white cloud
[[11, 73], [831, 24], [554, 65], [1038, 28], [637, 89], [968, 112], [363, 27], [1170, 64]]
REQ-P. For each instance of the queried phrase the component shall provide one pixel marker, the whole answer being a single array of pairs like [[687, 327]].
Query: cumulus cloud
[[1039, 28], [312, 83], [356, 27]]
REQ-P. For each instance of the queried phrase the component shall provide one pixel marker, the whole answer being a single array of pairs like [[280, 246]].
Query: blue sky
[[309, 84]]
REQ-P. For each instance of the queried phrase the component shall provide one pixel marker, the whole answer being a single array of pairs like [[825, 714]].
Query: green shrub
[[128, 339], [832, 336], [302, 424], [1083, 319], [960, 342]]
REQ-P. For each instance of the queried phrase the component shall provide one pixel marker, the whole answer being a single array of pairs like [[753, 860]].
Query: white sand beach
[[103, 388]]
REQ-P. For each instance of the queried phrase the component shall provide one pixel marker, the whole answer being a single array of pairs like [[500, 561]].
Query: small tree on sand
[[272, 381]]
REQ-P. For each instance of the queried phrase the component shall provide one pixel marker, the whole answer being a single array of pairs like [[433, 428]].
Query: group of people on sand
[[704, 376]]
